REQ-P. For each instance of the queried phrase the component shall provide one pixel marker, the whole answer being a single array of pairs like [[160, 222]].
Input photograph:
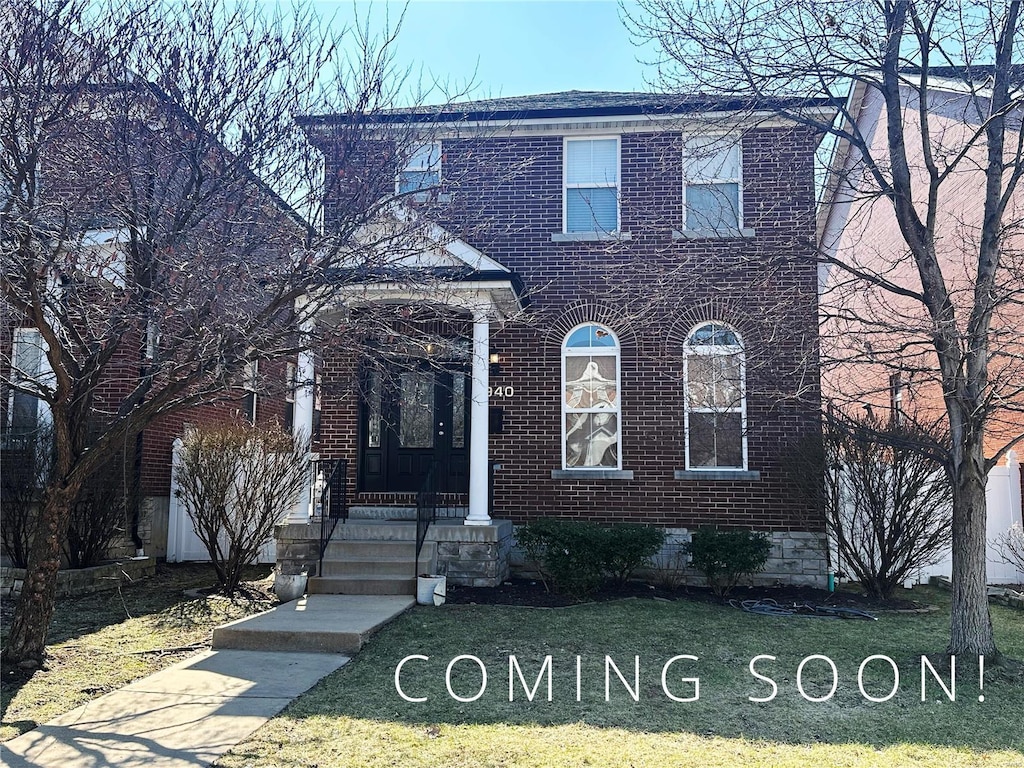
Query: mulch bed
[[525, 592]]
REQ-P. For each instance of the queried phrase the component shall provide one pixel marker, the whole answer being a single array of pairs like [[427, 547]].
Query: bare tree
[[1010, 546], [147, 154], [236, 480], [937, 295], [885, 492]]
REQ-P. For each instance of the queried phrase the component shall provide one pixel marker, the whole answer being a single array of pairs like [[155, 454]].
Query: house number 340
[[500, 391]]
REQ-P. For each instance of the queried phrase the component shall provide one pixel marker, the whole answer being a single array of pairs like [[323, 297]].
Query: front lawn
[[356, 718], [106, 640]]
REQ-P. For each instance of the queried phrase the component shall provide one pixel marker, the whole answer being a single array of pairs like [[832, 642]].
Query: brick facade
[[503, 195]]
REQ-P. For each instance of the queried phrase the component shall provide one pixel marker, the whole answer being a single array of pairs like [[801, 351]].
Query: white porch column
[[302, 427], [478, 423]]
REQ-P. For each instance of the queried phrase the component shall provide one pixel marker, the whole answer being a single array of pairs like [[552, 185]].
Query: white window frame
[[565, 410], [617, 186], [714, 350], [24, 337], [725, 141], [422, 192]]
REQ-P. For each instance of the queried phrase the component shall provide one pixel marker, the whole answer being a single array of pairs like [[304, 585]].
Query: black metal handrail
[[426, 510], [333, 506]]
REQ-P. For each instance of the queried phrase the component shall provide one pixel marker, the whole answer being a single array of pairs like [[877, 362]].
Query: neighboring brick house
[[878, 343], [84, 203], [145, 463], [620, 321]]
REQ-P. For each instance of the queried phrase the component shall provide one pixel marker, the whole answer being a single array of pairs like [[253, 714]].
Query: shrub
[[103, 510], [575, 556], [1010, 546], [671, 569], [724, 557], [99, 514], [570, 553], [629, 546], [236, 482], [886, 496], [27, 460]]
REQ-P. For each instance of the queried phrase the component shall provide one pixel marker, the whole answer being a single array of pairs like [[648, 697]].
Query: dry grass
[[356, 718], [104, 641]]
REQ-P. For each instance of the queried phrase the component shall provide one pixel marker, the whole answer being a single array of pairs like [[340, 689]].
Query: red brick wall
[[159, 436], [121, 377], [507, 201]]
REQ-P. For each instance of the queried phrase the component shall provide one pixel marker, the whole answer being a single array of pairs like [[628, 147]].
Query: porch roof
[[424, 263]]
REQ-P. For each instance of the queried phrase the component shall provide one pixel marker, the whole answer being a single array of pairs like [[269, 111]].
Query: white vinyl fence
[[1004, 509], [183, 544]]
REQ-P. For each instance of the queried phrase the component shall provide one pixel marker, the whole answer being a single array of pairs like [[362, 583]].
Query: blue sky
[[509, 48]]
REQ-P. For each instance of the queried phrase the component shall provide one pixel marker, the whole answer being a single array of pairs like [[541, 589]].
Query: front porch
[[415, 486]]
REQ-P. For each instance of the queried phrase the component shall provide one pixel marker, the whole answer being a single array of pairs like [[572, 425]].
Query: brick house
[[617, 321], [880, 343], [88, 278]]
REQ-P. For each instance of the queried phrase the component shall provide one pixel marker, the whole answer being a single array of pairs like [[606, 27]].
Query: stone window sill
[[589, 237], [591, 474], [717, 474], [711, 234]]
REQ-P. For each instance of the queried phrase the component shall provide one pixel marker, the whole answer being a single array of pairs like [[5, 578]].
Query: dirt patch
[[532, 593]]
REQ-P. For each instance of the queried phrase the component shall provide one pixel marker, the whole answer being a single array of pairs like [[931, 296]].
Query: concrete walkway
[[189, 714], [317, 623]]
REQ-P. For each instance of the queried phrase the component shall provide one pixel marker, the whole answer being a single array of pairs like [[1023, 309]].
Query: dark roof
[[578, 104]]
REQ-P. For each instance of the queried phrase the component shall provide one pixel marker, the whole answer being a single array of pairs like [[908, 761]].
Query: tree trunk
[[26, 644], [970, 621]]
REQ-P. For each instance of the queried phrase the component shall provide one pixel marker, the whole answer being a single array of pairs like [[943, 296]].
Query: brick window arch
[[715, 398], [591, 402]]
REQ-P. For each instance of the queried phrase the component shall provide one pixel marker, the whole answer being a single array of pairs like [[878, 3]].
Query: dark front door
[[415, 417]]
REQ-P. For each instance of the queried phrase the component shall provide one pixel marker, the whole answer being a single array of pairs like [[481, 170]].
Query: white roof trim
[[456, 247]]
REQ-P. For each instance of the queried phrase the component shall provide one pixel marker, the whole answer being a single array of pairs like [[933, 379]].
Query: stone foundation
[[473, 555], [298, 548], [796, 557], [485, 556], [468, 555], [85, 581]]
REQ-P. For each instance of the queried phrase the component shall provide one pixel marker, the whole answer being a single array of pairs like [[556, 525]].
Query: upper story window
[[715, 399], [591, 172], [712, 185], [590, 404], [422, 171]]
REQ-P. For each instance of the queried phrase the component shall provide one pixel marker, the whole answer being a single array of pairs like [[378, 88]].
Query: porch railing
[[330, 476], [426, 510]]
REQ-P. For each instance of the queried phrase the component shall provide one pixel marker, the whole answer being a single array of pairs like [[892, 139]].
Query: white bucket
[[431, 589], [289, 587]]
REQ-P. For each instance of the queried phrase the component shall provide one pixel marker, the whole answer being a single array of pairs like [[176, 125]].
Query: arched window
[[715, 398], [590, 400]]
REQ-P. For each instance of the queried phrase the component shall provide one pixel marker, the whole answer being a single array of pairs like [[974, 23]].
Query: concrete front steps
[[373, 557], [379, 512]]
